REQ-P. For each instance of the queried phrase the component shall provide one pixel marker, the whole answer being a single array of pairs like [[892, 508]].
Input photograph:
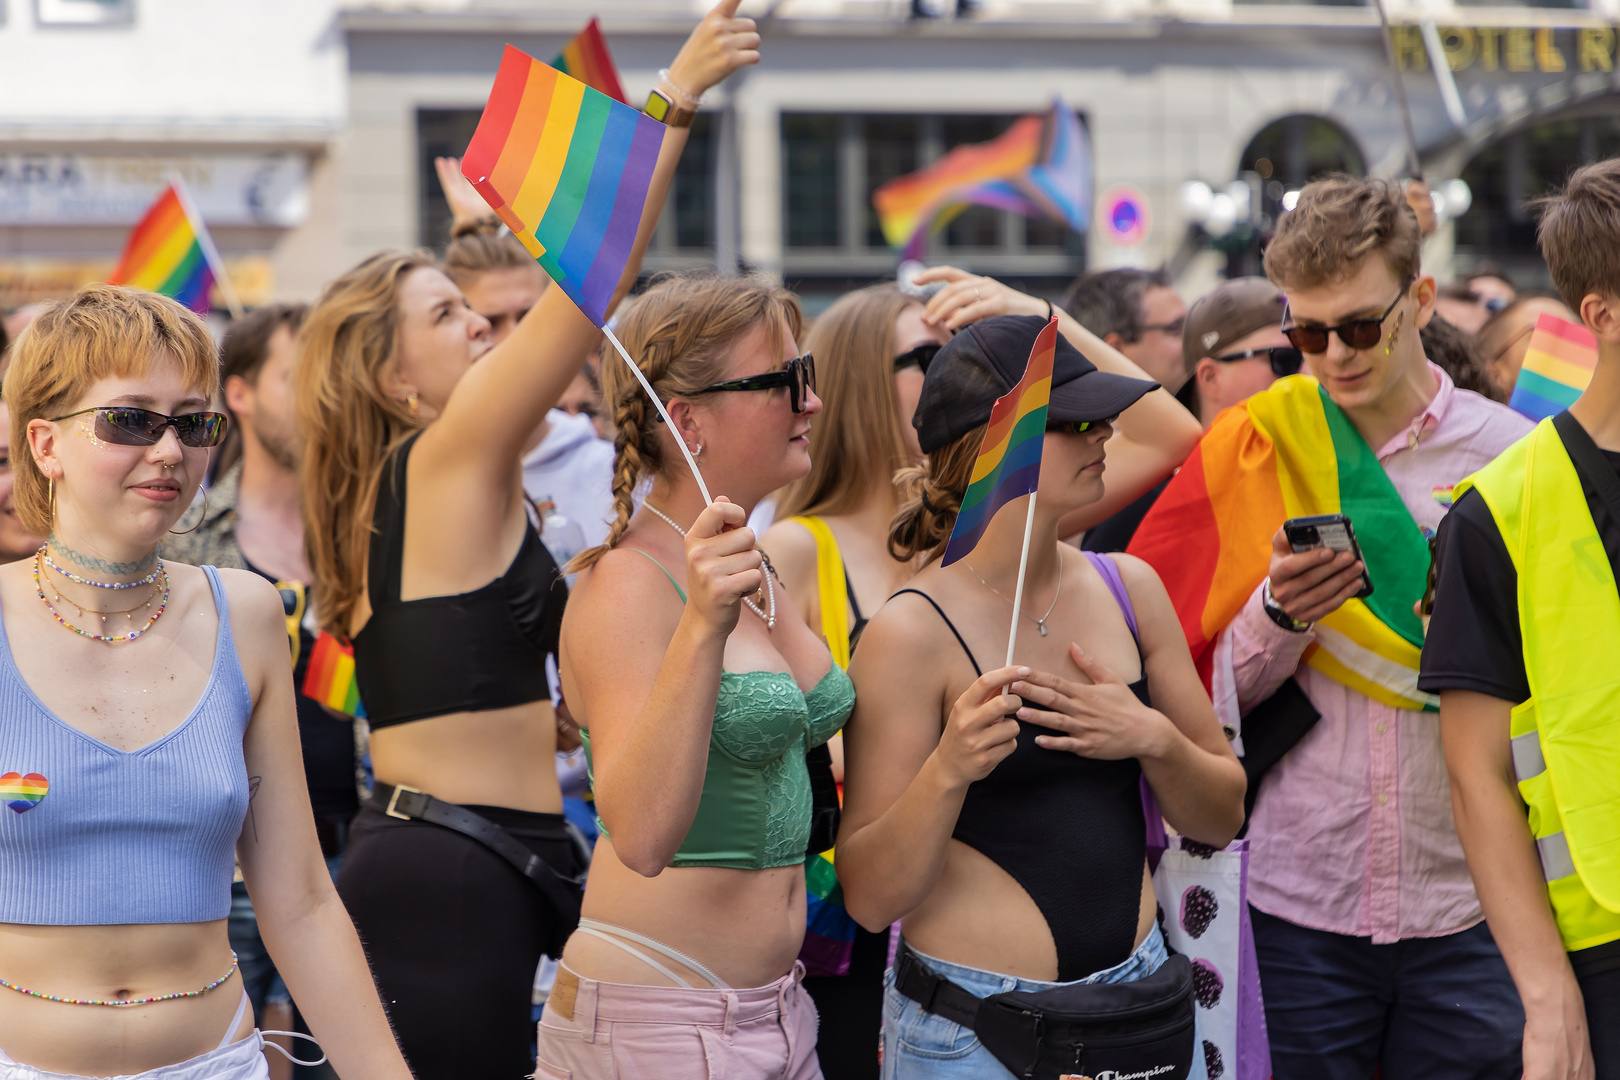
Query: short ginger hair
[[1336, 224], [1580, 234]]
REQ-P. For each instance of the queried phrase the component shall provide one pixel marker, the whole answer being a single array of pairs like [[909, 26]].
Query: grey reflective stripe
[[1555, 858], [1527, 759]]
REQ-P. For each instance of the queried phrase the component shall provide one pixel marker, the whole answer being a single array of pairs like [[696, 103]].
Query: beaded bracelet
[[684, 99]]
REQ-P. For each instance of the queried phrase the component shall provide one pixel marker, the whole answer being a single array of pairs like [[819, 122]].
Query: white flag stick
[[680, 442], [210, 252], [1018, 589]]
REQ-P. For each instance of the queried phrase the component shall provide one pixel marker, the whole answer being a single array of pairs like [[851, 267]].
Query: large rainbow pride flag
[[587, 59], [1009, 462], [1040, 167], [1557, 368], [1289, 451], [567, 169], [170, 252]]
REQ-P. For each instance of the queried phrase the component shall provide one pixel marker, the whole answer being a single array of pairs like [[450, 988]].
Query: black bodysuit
[[484, 649], [1068, 829]]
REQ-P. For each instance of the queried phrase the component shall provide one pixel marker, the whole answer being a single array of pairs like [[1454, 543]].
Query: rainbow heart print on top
[[23, 793]]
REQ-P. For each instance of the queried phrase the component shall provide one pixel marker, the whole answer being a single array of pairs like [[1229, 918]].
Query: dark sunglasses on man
[[123, 425], [920, 357], [1356, 333], [798, 375], [1285, 359]]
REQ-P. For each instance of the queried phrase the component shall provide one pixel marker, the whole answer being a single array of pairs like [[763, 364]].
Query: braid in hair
[[930, 496]]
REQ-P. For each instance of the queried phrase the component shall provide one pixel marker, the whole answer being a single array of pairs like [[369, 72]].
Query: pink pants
[[613, 1031]]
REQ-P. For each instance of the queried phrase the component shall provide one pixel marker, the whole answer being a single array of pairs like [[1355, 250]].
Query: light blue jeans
[[917, 1045]]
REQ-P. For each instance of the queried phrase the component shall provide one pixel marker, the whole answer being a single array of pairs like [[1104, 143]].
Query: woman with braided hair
[[698, 687], [460, 871]]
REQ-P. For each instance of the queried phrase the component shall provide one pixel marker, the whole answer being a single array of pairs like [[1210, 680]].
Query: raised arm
[[304, 923], [645, 678], [501, 400], [904, 778], [1151, 438]]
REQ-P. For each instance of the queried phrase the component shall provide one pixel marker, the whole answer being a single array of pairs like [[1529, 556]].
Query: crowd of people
[[605, 725]]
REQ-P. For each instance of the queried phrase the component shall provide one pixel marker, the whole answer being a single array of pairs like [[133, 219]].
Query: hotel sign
[[1511, 49]]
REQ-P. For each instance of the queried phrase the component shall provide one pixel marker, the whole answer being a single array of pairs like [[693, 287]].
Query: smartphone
[[1332, 531]]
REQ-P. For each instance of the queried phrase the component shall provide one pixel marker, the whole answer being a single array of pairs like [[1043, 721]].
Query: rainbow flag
[[170, 252], [1557, 368], [587, 59], [829, 932], [1009, 462], [1289, 452], [329, 679], [567, 169], [23, 793], [1040, 168]]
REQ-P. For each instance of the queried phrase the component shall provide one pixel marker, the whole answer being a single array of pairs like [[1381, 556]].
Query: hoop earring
[[51, 480], [200, 520], [697, 452], [413, 403]]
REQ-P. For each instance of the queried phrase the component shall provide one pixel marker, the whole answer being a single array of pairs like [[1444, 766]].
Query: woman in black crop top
[[1013, 849], [425, 557]]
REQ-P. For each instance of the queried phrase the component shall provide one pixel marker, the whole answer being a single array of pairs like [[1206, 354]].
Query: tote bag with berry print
[[1203, 895]]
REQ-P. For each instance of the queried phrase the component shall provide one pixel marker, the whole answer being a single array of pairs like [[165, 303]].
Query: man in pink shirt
[[1370, 938]]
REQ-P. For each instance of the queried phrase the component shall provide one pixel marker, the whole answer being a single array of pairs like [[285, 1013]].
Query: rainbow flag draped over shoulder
[[1289, 452], [1009, 462], [587, 59], [567, 169], [1557, 368], [168, 253], [1040, 167]]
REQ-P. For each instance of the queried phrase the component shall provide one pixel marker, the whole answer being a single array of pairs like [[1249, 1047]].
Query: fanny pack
[[1140, 1030]]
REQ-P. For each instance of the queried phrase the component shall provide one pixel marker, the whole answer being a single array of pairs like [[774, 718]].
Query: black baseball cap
[[987, 359]]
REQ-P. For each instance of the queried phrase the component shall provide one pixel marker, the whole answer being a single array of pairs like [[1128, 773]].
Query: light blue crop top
[[754, 812], [147, 836]]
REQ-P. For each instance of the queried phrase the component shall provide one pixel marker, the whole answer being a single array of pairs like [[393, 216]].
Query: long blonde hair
[[680, 331], [348, 424], [857, 436]]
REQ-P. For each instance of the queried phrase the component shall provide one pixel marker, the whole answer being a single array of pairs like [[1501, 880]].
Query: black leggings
[[454, 935]]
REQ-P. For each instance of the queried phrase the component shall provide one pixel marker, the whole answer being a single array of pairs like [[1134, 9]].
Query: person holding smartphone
[[1369, 935]]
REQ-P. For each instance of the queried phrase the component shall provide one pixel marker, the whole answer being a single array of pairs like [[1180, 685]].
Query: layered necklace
[[158, 579], [768, 589], [1040, 623]]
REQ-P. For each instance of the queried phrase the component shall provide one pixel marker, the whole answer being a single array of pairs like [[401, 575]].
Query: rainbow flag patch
[[1442, 495], [330, 677], [23, 793]]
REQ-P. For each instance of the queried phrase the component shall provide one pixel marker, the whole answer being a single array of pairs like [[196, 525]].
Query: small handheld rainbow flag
[[1557, 368], [1040, 168], [567, 169], [1009, 462], [330, 676], [170, 252], [587, 59]]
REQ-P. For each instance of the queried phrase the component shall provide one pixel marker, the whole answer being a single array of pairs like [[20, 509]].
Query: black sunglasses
[[798, 375], [1356, 333], [124, 425], [921, 357], [1075, 427], [1285, 360]]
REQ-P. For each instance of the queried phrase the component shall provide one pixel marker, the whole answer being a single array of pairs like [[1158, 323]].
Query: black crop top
[[484, 649], [1068, 829]]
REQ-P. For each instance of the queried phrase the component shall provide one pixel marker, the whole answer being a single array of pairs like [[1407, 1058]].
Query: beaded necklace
[[71, 576], [111, 639], [769, 614], [130, 1001], [128, 613]]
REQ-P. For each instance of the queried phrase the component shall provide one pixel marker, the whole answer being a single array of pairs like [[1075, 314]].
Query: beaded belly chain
[[127, 1002]]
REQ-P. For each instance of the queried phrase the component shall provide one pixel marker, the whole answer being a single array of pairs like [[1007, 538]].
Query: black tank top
[[1068, 829], [484, 649]]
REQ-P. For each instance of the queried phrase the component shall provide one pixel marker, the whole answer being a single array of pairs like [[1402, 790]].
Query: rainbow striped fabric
[[829, 931], [23, 793], [1040, 168], [168, 253], [587, 59], [329, 679], [567, 169], [1009, 462], [1557, 368], [1289, 451]]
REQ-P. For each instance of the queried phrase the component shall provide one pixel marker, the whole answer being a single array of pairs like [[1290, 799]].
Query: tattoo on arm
[[253, 793]]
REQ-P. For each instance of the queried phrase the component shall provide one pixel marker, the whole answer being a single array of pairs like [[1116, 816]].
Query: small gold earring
[[52, 482], [413, 403]]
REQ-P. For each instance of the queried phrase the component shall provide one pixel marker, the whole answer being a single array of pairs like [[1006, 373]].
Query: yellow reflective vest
[[1566, 736]]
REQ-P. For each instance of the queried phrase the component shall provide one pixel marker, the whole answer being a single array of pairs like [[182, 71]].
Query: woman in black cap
[[998, 812]]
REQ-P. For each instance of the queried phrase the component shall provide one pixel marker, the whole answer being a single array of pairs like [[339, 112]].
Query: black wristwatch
[[1278, 615]]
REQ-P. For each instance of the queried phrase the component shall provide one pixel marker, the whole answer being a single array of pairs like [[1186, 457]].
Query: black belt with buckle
[[561, 891]]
